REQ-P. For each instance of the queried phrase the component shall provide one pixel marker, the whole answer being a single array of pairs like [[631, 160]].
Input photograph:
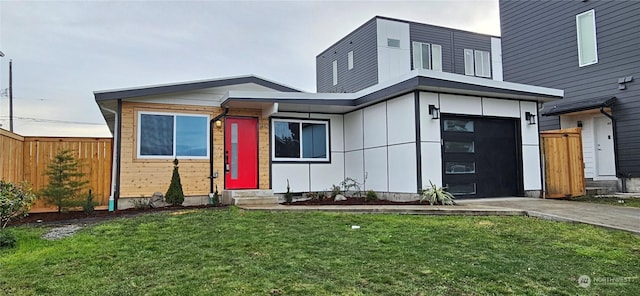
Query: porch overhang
[[572, 106]]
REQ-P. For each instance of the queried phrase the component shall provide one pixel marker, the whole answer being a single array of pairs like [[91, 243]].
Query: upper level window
[[350, 60], [427, 56], [300, 140], [477, 63], [393, 42], [164, 135], [587, 43], [335, 72]]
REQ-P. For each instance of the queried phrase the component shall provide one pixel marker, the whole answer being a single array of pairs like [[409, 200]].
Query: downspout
[[211, 123], [615, 149], [114, 160]]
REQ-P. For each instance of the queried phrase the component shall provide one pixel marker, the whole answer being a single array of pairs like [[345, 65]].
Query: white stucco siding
[[500, 108], [431, 163], [353, 131], [402, 168], [375, 125], [401, 120], [392, 61], [297, 174], [531, 167], [429, 127], [456, 104], [375, 169], [323, 175]]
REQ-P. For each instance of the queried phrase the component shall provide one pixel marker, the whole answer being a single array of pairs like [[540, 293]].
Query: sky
[[62, 51]]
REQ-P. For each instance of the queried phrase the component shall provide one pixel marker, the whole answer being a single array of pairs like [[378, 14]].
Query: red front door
[[241, 153]]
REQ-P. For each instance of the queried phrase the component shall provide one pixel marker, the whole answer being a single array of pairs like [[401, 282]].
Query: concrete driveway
[[616, 217]]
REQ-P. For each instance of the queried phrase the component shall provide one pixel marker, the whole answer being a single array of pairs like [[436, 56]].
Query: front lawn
[[236, 252], [614, 201]]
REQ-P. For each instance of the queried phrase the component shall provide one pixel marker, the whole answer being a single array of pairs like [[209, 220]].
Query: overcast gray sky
[[63, 51]]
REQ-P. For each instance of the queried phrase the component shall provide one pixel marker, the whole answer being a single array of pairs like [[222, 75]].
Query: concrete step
[[255, 201], [598, 190], [610, 185], [249, 197]]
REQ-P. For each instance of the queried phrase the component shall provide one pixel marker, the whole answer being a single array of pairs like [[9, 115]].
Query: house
[[589, 49], [249, 135]]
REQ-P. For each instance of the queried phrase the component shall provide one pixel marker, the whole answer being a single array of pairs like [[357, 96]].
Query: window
[[477, 63], [163, 135], [427, 56], [300, 140], [335, 72], [350, 59], [393, 42], [459, 147], [453, 125], [587, 42]]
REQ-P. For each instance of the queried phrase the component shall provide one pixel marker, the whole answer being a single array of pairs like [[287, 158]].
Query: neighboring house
[[472, 134], [590, 50], [384, 48]]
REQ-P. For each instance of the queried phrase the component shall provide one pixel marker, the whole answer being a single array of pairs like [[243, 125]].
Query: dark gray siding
[[467, 40], [539, 47], [453, 43], [363, 43]]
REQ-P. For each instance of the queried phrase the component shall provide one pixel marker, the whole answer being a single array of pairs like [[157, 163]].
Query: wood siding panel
[[143, 177], [539, 47]]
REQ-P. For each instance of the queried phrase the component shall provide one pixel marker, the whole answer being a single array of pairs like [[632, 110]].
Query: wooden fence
[[27, 158], [563, 163]]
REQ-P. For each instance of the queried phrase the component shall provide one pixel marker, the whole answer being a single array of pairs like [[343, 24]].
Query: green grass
[[614, 201], [236, 252]]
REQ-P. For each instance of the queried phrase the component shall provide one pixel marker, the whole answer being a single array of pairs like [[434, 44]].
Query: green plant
[[89, 205], [141, 203], [175, 195], [216, 197], [350, 184], [288, 196], [7, 240], [316, 195], [371, 195], [15, 201], [65, 181], [335, 191], [437, 195]]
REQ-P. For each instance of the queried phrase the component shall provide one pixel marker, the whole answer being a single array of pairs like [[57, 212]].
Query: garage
[[481, 156]]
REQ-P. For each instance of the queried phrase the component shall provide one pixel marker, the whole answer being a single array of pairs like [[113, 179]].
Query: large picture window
[[300, 140], [163, 135]]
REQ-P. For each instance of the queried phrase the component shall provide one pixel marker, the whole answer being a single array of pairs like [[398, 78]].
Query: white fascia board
[[288, 95], [191, 82], [491, 83]]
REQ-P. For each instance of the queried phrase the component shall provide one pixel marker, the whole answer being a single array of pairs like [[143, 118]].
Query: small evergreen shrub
[[89, 205], [7, 240], [65, 181], [288, 196], [216, 197], [371, 195], [174, 195], [335, 191]]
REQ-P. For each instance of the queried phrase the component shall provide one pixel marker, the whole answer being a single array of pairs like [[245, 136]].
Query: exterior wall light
[[530, 117], [434, 112], [218, 123]]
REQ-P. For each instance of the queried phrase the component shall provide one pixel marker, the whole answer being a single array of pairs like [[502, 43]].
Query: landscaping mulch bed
[[354, 201], [74, 216]]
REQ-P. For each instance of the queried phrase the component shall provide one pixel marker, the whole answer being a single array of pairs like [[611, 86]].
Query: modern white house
[[450, 121]]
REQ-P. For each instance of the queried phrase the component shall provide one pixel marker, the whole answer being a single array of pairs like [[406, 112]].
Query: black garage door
[[481, 156]]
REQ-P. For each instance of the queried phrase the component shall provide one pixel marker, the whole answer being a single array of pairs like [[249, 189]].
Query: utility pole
[[10, 97]]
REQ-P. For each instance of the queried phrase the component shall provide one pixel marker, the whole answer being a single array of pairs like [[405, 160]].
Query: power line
[[43, 120]]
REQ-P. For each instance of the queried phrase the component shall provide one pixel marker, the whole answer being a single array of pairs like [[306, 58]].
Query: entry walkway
[[614, 217]]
